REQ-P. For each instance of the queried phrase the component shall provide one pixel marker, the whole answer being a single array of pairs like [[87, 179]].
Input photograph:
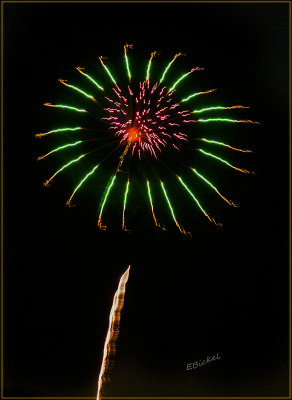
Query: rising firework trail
[[113, 331], [154, 119]]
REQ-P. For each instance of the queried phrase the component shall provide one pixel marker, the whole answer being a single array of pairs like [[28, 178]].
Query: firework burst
[[142, 120]]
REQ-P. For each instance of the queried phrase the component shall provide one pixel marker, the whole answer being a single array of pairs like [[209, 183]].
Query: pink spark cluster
[[147, 122]]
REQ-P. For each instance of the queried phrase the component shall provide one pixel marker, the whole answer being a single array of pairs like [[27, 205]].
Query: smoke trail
[[113, 329]]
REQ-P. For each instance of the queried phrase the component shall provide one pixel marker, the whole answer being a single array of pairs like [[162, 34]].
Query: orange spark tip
[[229, 202], [128, 46], [232, 204], [239, 106], [101, 226], [248, 121], [211, 219], [184, 232], [196, 69], [178, 54], [209, 91], [245, 171], [101, 58]]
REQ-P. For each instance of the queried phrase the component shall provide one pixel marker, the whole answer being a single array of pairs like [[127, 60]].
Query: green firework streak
[[213, 187], [126, 194], [64, 166], [149, 193], [107, 70], [81, 183], [125, 203], [204, 179], [63, 106], [199, 205], [57, 130], [226, 145], [90, 78], [245, 171], [168, 66], [193, 196], [104, 201], [209, 108], [60, 148], [184, 76], [151, 203], [197, 94], [66, 129], [192, 95], [215, 142], [110, 75], [177, 82], [149, 65], [218, 119], [77, 89], [166, 69], [148, 70], [127, 65], [168, 202], [216, 157]]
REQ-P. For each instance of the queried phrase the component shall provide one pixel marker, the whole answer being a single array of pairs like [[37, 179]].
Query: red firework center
[[149, 121]]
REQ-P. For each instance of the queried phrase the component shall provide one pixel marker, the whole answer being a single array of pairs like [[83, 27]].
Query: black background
[[222, 291]]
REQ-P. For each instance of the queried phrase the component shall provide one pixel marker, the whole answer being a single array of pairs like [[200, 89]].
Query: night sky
[[222, 291]]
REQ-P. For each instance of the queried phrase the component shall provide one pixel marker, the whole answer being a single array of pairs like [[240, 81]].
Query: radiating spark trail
[[113, 330], [225, 145], [172, 211], [247, 121], [197, 94], [77, 89], [60, 148], [122, 157], [99, 222], [62, 106], [68, 203], [38, 135], [217, 108], [126, 47], [214, 188], [79, 69], [124, 206], [184, 76], [199, 205], [61, 169], [151, 203], [107, 70], [245, 171], [153, 54], [168, 66]]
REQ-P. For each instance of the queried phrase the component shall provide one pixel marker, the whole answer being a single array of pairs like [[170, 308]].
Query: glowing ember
[[151, 120]]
